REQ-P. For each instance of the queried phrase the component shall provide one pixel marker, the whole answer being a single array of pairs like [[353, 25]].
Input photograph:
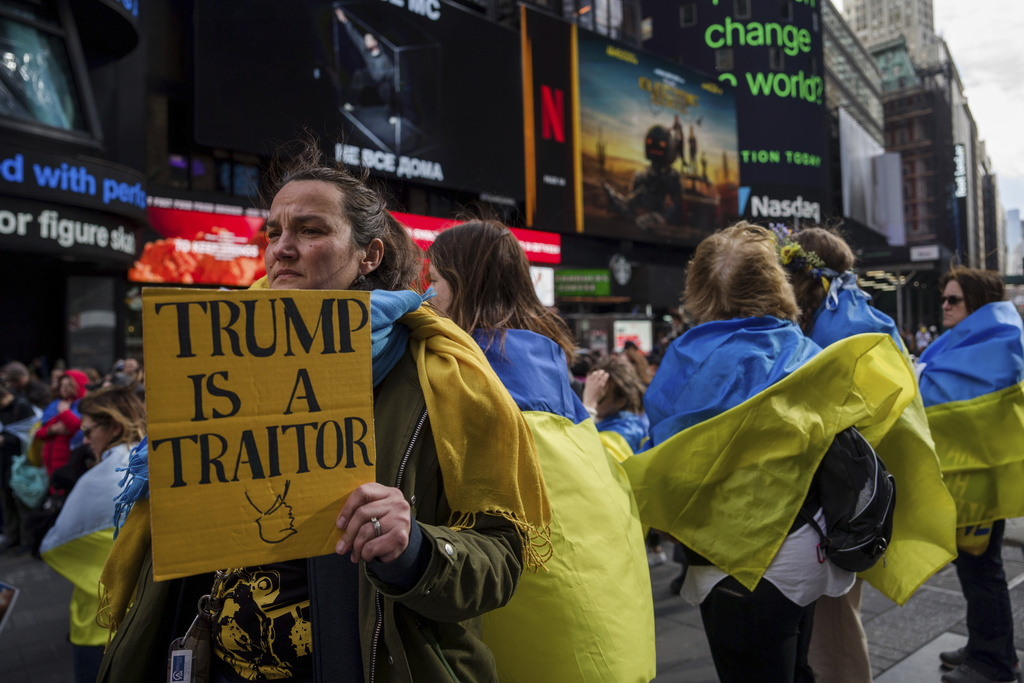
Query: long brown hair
[[624, 382], [735, 273], [489, 276], [833, 250]]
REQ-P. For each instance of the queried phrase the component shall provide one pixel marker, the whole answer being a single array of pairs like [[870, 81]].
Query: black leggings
[[757, 636]]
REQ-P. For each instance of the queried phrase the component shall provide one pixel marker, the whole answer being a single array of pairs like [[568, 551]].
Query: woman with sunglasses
[[113, 422], [971, 381]]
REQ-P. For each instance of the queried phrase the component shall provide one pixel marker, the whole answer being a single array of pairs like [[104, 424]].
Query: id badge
[[181, 666]]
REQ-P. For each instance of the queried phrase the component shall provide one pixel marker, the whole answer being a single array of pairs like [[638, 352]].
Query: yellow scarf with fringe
[[471, 415]]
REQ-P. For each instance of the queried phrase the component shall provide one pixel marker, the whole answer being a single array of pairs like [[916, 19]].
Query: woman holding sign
[[590, 616], [458, 509]]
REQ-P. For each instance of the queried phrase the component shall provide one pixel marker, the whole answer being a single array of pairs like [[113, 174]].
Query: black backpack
[[858, 496]]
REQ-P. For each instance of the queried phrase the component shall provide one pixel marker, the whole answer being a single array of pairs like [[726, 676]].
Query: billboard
[[624, 144], [773, 56], [540, 247], [200, 247], [396, 84], [872, 181]]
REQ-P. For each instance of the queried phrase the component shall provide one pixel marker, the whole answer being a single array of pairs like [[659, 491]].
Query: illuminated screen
[[200, 248], [773, 56], [424, 91], [658, 145], [627, 145]]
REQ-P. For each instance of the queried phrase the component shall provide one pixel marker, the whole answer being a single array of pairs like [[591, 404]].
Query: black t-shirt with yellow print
[[263, 630]]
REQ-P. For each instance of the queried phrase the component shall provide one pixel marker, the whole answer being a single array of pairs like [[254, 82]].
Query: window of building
[[723, 59], [776, 59], [688, 14], [741, 9], [37, 81]]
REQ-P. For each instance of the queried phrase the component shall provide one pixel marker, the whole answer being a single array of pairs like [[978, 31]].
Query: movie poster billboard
[[658, 144], [423, 91], [654, 147]]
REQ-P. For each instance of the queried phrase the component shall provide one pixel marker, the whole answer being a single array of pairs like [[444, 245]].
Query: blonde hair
[[735, 273], [117, 405]]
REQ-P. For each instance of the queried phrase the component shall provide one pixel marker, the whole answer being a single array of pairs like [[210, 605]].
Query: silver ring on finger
[[376, 527]]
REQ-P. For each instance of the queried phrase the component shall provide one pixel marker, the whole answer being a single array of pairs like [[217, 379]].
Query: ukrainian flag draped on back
[[742, 411], [923, 535], [972, 383], [590, 616]]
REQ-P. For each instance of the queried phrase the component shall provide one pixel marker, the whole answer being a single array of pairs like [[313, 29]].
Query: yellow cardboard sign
[[260, 421]]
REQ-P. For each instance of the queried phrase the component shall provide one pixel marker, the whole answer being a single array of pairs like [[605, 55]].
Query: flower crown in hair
[[794, 257]]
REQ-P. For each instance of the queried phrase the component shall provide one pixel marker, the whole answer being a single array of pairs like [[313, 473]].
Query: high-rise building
[[879, 21]]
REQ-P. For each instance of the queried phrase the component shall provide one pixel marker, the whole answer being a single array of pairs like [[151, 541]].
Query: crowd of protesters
[[42, 422], [527, 452]]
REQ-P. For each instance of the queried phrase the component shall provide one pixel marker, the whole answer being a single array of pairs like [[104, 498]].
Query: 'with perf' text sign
[[260, 421]]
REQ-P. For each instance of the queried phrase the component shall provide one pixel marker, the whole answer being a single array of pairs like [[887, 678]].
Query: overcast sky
[[986, 38]]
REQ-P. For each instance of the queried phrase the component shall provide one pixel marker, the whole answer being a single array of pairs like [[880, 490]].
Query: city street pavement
[[904, 641]]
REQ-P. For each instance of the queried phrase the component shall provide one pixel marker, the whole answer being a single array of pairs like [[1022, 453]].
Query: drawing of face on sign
[[275, 523]]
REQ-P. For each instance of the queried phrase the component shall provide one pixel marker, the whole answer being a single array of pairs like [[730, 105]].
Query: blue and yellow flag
[[846, 312], [742, 412], [972, 383], [590, 616], [923, 534], [630, 427]]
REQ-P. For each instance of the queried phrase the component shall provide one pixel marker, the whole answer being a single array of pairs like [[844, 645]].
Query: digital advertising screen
[[772, 55], [658, 144], [424, 91], [200, 247], [624, 144]]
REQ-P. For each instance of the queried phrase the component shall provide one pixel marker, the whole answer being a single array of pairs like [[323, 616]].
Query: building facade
[[72, 192], [879, 21]]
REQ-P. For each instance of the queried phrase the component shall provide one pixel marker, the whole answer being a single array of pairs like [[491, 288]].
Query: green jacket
[[428, 633]]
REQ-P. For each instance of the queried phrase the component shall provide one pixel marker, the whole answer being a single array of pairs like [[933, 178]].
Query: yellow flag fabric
[[469, 406], [121, 572], [616, 446], [980, 444], [80, 561], [590, 616], [923, 534], [730, 487]]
